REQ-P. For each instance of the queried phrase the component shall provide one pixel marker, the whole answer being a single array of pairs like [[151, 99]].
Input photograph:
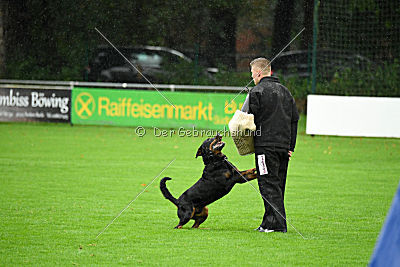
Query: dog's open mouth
[[218, 146]]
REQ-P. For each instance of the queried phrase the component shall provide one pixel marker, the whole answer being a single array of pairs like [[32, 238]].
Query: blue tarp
[[387, 248]]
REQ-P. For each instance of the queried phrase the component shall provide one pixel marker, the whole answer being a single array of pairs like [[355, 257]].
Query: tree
[[307, 35], [2, 41], [208, 28], [282, 24]]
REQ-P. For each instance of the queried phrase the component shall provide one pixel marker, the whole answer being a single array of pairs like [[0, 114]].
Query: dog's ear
[[198, 152], [218, 137]]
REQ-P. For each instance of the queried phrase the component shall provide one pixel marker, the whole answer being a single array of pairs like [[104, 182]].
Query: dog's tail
[[165, 191]]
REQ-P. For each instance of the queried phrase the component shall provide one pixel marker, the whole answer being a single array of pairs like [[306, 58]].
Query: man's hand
[[290, 154]]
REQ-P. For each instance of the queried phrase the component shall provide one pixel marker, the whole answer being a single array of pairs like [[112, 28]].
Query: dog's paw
[[252, 171]]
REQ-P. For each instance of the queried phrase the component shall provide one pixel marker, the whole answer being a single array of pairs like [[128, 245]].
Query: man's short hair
[[261, 63]]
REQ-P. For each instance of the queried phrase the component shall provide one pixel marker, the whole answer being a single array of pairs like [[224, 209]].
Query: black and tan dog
[[219, 177]]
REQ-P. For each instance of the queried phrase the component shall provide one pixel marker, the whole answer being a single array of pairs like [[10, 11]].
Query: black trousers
[[272, 165]]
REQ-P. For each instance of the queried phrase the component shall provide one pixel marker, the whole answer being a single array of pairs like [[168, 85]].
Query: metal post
[[86, 78], [314, 52], [196, 64]]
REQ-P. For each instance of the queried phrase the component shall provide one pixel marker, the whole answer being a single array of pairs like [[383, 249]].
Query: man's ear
[[198, 152]]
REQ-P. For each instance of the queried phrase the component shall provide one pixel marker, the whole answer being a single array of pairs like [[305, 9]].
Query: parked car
[[298, 63], [156, 63]]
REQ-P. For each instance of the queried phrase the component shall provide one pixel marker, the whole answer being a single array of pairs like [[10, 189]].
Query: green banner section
[[154, 109]]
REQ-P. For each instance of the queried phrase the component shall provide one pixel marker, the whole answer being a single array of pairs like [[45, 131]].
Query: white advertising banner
[[353, 116]]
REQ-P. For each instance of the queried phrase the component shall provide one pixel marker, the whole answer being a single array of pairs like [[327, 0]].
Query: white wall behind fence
[[353, 116]]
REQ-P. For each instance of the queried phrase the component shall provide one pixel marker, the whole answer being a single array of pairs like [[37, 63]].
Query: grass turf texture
[[61, 185]]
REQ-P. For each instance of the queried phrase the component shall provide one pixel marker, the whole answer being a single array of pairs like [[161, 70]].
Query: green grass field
[[61, 185]]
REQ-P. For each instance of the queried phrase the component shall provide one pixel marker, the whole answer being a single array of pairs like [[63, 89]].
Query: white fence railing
[[36, 84]]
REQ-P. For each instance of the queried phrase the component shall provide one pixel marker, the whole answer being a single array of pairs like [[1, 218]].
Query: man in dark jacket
[[276, 117]]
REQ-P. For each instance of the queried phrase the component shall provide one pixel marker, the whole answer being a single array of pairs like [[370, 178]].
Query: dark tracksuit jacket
[[275, 113]]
